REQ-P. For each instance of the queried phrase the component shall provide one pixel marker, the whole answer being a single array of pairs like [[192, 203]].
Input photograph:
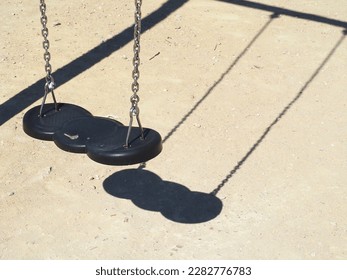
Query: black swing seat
[[43, 127], [74, 134], [110, 148]]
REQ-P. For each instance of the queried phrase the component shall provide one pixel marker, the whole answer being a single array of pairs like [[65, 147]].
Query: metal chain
[[45, 44], [136, 59], [49, 86], [134, 99]]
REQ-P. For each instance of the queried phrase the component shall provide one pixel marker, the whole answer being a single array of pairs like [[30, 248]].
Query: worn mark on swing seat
[[72, 137]]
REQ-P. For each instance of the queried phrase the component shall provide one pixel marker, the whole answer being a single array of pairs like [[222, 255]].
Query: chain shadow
[[31, 94], [210, 90], [174, 201], [279, 117]]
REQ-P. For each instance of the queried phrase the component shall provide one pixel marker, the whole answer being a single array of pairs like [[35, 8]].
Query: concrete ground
[[250, 100]]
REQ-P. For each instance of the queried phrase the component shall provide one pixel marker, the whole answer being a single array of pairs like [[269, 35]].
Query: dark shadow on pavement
[[28, 96], [287, 12], [174, 201]]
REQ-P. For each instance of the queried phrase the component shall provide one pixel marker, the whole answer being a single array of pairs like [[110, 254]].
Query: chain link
[[134, 99], [50, 85], [45, 45], [136, 59]]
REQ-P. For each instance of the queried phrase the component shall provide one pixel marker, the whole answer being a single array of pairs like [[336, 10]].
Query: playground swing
[[41, 122], [141, 144], [74, 129]]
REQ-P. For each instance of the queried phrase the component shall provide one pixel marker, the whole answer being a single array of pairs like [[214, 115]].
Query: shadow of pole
[[287, 12], [284, 111], [28, 96]]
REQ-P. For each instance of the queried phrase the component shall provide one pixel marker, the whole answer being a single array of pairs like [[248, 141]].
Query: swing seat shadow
[[174, 201]]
